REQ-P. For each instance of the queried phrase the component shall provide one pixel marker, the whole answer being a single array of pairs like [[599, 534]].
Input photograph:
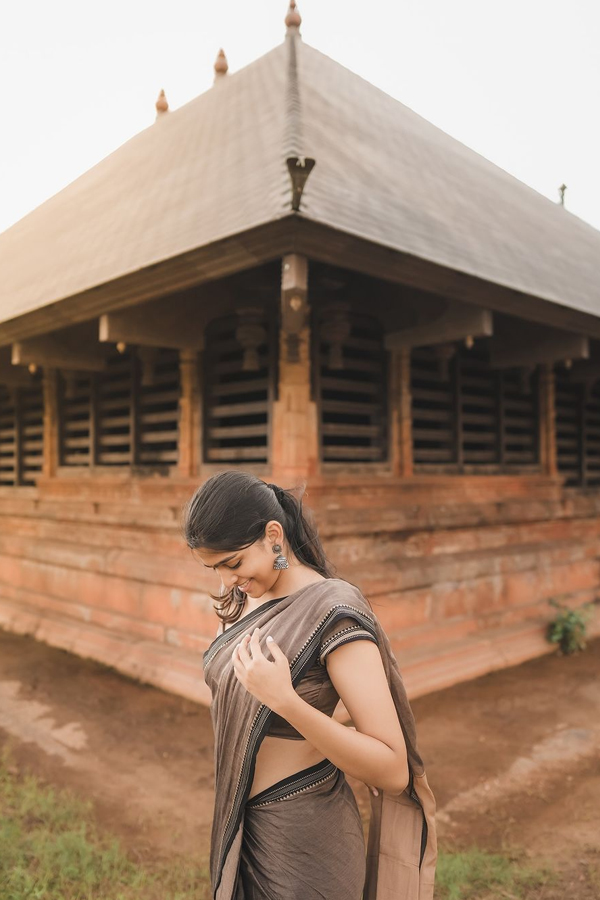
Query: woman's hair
[[230, 511]]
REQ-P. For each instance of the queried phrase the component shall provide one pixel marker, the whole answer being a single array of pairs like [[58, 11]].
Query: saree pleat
[[315, 830], [303, 840]]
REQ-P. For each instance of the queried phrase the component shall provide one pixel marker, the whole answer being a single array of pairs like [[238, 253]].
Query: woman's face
[[251, 569]]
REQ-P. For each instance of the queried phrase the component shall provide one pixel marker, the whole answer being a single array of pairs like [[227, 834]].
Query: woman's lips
[[243, 586]]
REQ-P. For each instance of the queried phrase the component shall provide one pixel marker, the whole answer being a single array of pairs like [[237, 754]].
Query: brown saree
[[402, 848]]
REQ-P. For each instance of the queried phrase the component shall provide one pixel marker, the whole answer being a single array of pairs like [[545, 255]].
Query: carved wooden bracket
[[60, 352], [174, 322], [457, 322], [528, 344], [13, 376]]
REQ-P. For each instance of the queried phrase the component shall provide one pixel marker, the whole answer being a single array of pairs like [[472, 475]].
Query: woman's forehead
[[213, 558]]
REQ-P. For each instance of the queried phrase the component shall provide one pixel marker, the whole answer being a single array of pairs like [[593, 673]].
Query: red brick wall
[[98, 565]]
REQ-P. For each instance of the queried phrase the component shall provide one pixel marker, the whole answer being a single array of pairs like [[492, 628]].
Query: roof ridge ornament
[[162, 105], [293, 19], [221, 65], [299, 168]]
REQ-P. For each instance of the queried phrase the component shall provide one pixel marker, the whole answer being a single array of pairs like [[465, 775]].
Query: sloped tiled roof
[[388, 175], [216, 167], [210, 169]]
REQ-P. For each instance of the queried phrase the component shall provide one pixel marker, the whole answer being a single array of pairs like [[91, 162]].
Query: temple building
[[296, 274]]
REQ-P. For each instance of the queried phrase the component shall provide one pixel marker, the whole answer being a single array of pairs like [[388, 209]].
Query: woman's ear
[[274, 532]]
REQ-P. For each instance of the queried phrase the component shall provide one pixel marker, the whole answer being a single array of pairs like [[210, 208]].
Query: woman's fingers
[[276, 651], [255, 645], [241, 651]]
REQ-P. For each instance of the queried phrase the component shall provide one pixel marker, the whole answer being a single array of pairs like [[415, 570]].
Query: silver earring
[[280, 560]]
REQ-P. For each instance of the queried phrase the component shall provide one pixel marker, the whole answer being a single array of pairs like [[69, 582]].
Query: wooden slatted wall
[[8, 436], [578, 432], [434, 411], [159, 412], [21, 434], [115, 400], [467, 417], [237, 403], [110, 419], [353, 400], [31, 416], [75, 420]]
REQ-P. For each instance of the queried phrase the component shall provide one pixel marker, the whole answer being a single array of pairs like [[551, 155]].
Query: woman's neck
[[289, 581]]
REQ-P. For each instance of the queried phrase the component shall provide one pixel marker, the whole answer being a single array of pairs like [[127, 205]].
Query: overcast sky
[[517, 80]]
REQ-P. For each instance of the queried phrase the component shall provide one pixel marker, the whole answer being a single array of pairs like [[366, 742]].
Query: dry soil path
[[513, 757]]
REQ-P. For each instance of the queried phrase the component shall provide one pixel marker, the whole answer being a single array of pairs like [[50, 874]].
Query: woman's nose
[[229, 580]]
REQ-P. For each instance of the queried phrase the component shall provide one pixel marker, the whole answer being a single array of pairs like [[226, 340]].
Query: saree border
[[302, 661], [229, 634], [294, 784], [425, 828]]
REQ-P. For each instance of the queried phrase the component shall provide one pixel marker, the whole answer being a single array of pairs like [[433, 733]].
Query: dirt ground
[[513, 758]]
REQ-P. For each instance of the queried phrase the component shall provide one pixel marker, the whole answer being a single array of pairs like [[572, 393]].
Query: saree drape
[[402, 846]]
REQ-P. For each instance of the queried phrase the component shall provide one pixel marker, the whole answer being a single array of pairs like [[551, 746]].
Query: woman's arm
[[376, 751]]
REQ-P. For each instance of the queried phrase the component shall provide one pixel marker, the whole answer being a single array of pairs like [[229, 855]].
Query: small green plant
[[568, 628]]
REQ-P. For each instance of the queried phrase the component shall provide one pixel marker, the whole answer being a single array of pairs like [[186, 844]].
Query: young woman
[[292, 641]]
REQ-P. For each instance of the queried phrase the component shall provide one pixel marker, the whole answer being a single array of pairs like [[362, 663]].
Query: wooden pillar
[[547, 420], [295, 452], [18, 436], [51, 424], [134, 409], [401, 413], [190, 414]]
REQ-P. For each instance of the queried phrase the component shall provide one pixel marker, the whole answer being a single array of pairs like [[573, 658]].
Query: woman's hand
[[270, 682]]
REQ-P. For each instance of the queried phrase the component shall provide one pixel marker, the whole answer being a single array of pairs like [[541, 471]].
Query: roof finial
[[561, 191], [293, 18], [161, 104], [221, 64]]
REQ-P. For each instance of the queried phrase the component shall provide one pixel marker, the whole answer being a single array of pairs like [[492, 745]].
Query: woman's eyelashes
[[237, 565]]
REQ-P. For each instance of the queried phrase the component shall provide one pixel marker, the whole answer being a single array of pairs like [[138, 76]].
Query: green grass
[[50, 848], [477, 875]]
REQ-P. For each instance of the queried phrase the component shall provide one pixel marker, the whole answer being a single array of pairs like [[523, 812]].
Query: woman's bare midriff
[[277, 758]]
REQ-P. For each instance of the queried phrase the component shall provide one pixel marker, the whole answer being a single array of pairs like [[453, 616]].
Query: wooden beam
[[272, 240], [12, 376], [174, 322], [456, 322], [338, 248], [527, 344], [194, 267], [58, 351], [584, 372]]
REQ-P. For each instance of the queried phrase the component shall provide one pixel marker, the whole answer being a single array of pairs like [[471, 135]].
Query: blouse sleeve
[[343, 631]]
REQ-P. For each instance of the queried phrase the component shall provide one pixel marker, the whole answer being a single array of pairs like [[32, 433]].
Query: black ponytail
[[230, 511]]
